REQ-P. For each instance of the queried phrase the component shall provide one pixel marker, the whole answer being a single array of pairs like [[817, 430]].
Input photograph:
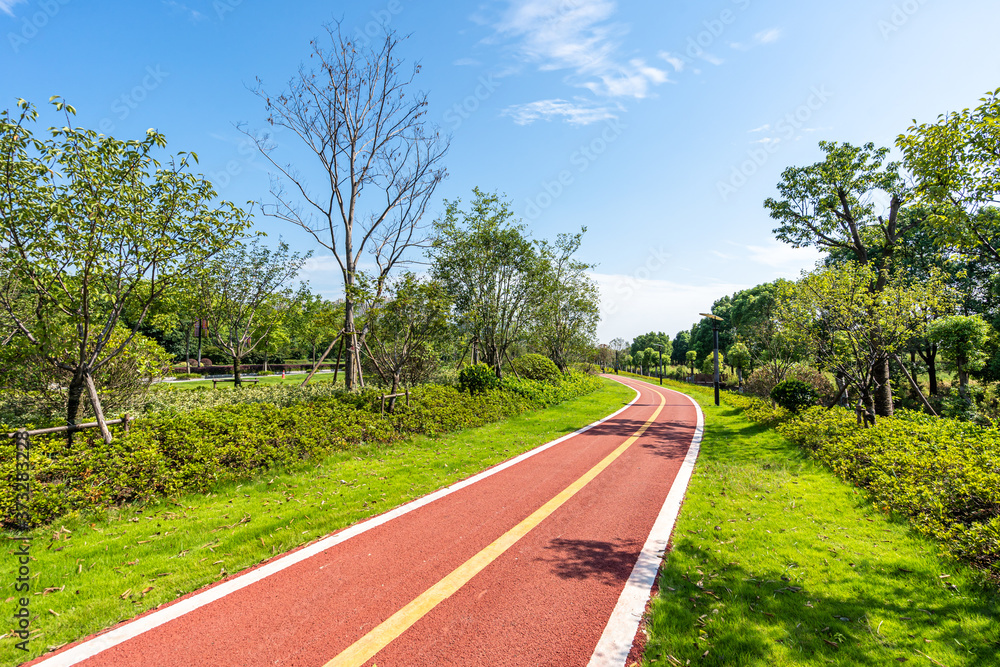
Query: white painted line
[[616, 640], [132, 629]]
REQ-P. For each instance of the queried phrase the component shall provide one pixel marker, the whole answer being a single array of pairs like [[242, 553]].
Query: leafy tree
[[647, 340], [956, 164], [849, 328], [831, 205], [246, 294], [406, 323], [681, 344], [492, 272], [739, 358], [97, 230], [620, 347], [963, 339], [381, 163], [568, 312], [692, 359], [708, 365]]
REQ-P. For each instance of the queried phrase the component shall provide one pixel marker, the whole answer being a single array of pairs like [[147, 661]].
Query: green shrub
[[264, 373], [477, 378], [537, 367], [794, 395], [200, 438]]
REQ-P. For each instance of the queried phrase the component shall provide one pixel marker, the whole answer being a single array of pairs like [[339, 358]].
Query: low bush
[[537, 367], [794, 395], [198, 438], [477, 378], [763, 380]]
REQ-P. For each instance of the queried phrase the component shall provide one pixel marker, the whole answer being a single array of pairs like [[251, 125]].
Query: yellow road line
[[365, 648]]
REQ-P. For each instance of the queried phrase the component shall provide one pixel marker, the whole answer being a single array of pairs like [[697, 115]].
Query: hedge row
[[943, 474], [192, 449]]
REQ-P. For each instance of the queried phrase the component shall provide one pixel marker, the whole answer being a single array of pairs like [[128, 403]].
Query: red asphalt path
[[544, 601]]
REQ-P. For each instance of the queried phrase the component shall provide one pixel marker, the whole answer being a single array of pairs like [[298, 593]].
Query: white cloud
[[193, 14], [675, 61], [467, 62], [763, 128], [578, 37], [7, 6], [788, 261], [767, 36], [575, 113], [762, 38]]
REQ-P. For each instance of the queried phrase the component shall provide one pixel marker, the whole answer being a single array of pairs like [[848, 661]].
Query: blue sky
[[660, 126]]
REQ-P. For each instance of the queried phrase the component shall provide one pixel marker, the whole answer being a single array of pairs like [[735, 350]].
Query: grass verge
[[777, 562], [90, 574]]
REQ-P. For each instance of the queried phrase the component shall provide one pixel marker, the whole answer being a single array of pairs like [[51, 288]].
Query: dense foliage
[[196, 439], [794, 395]]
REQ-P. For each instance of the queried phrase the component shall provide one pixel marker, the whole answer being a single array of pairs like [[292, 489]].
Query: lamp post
[[715, 337], [660, 345]]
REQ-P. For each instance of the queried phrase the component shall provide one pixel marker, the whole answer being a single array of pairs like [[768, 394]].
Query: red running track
[[544, 601]]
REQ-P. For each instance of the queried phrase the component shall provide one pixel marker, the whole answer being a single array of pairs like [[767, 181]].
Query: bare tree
[[380, 165]]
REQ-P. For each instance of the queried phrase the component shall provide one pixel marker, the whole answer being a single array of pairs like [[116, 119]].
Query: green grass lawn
[[91, 573], [775, 561], [267, 379]]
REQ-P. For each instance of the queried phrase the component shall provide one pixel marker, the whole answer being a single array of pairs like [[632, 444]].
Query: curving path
[[547, 559]]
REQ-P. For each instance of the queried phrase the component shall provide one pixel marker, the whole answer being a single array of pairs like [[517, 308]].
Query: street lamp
[[715, 337], [660, 345]]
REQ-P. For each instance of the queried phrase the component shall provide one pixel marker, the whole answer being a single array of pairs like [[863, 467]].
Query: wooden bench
[[233, 380]]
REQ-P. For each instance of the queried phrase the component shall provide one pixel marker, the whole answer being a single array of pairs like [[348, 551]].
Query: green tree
[[492, 272], [956, 164], [831, 205], [246, 294], [739, 358], [98, 229], [692, 359], [963, 339], [680, 345], [849, 328], [405, 325], [565, 321]]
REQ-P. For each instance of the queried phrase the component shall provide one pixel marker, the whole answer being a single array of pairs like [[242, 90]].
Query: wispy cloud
[[580, 38], [785, 259], [578, 112], [7, 6], [675, 61], [466, 62], [179, 8], [762, 38]]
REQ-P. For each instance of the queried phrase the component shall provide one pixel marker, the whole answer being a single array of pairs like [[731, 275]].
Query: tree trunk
[[963, 381], [95, 400], [930, 358], [395, 389], [266, 341], [187, 351], [199, 343], [883, 390], [237, 379], [76, 388], [351, 359]]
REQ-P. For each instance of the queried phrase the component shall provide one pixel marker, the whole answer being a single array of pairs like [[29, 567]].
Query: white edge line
[[616, 641], [132, 629]]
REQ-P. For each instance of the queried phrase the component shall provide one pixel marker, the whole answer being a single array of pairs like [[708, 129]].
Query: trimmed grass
[[89, 574], [777, 562], [267, 379]]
